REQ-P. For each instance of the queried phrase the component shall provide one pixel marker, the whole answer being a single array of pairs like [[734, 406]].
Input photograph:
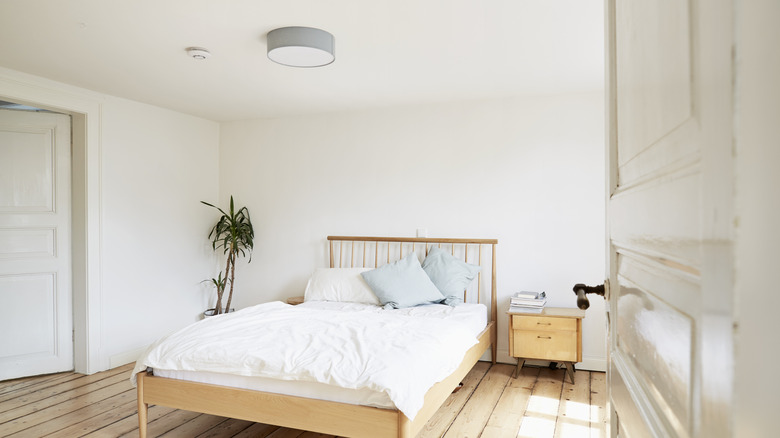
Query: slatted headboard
[[372, 252]]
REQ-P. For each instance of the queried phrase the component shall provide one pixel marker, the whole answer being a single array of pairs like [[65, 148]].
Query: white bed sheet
[[470, 318]]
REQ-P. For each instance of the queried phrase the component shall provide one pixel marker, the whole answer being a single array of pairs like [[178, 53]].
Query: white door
[[670, 217], [36, 325]]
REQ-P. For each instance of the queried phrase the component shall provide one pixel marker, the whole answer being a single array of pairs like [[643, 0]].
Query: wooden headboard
[[372, 252]]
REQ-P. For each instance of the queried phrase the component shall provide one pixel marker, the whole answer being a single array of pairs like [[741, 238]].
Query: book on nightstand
[[527, 302], [519, 309]]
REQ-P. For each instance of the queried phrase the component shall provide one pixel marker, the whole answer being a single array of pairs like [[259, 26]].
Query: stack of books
[[527, 302]]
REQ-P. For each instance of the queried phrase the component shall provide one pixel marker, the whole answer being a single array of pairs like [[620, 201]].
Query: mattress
[[472, 318]]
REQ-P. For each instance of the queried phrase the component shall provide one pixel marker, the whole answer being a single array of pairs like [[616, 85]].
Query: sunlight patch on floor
[[576, 410], [534, 427], [569, 430], [543, 405], [541, 419]]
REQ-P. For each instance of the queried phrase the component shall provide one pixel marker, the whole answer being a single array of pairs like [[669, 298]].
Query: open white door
[[670, 217], [36, 326]]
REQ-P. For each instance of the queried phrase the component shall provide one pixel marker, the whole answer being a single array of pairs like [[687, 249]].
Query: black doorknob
[[582, 300]]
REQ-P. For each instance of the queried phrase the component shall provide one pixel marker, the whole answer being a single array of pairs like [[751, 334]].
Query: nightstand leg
[[520, 363], [569, 371]]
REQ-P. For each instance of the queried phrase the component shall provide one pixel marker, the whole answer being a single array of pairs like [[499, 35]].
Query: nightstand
[[295, 300], [554, 335]]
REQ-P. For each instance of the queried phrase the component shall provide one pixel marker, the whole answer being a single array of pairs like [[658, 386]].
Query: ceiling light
[[198, 52], [301, 46]]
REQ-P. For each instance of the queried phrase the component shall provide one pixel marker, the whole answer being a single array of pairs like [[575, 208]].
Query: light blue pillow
[[402, 284], [450, 275]]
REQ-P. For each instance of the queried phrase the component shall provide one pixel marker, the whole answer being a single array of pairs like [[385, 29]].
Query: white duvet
[[400, 353]]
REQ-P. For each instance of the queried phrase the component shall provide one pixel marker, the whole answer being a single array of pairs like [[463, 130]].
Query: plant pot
[[210, 312]]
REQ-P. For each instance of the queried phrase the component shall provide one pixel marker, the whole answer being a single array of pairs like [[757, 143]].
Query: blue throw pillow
[[402, 284], [450, 275]]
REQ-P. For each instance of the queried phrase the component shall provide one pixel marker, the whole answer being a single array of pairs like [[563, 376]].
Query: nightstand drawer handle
[[544, 337], [543, 323]]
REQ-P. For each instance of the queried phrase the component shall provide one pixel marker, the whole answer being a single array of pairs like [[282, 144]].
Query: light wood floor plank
[[284, 432], [38, 385], [574, 408], [491, 404], [475, 414], [440, 422], [88, 425], [61, 416], [195, 426], [257, 430], [508, 415], [598, 403], [226, 429], [22, 382], [56, 394], [129, 424], [542, 410], [163, 424]]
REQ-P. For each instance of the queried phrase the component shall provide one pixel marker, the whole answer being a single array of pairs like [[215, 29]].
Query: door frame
[[610, 141], [85, 112]]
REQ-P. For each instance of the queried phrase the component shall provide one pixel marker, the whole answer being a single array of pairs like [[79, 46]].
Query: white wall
[[529, 172], [157, 167], [148, 168]]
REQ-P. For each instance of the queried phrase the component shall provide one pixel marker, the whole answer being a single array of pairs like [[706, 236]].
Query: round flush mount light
[[198, 52], [301, 46]]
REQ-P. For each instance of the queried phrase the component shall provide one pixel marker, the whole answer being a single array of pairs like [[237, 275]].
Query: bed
[[352, 413]]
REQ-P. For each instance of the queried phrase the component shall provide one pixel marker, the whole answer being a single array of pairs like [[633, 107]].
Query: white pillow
[[339, 284]]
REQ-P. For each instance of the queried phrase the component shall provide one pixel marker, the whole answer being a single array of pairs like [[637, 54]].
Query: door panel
[[669, 207], [673, 204], [27, 242], [27, 169], [654, 89], [35, 254], [35, 304], [657, 340]]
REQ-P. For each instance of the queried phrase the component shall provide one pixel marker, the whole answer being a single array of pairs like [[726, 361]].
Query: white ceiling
[[388, 52]]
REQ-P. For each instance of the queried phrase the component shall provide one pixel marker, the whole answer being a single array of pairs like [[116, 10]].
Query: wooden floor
[[491, 404]]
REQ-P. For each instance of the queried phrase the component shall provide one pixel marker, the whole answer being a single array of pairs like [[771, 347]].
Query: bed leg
[[142, 407], [493, 344], [404, 426]]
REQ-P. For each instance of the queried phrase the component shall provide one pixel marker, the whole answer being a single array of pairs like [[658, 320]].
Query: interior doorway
[[85, 226], [35, 236]]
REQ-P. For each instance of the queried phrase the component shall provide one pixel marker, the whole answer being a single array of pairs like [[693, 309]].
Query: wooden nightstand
[[554, 335], [295, 300]]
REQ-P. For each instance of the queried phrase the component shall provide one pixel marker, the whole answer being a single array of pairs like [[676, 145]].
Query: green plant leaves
[[234, 234]]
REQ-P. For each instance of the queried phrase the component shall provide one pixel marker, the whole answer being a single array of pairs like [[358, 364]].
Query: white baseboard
[[125, 358], [593, 363]]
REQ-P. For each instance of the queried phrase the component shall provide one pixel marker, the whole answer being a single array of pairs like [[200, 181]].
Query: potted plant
[[233, 233]]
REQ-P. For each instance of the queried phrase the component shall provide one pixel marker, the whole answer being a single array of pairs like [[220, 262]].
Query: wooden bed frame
[[321, 416]]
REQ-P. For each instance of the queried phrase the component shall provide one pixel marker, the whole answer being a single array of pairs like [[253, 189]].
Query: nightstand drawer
[[522, 322], [548, 345]]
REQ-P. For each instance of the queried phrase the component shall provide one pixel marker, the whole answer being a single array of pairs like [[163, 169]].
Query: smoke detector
[[198, 52]]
